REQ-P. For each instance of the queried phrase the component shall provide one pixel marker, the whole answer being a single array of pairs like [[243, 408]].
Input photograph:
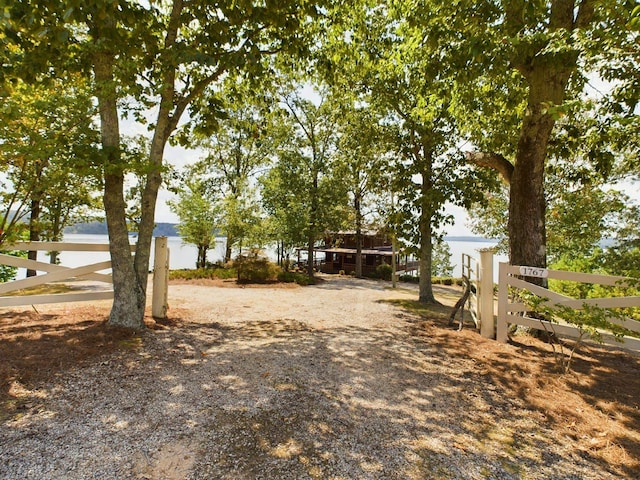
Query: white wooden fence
[[481, 304], [511, 311], [60, 273]]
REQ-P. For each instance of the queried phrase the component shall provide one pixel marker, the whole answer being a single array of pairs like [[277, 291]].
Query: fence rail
[[512, 311], [59, 273]]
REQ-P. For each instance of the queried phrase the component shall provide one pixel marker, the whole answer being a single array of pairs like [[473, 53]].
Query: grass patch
[[131, 343], [251, 272], [203, 273], [423, 310]]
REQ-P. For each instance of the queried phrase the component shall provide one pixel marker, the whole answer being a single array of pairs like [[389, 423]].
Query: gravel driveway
[[321, 382]]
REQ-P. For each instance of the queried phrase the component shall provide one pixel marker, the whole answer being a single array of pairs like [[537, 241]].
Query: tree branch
[[492, 160]]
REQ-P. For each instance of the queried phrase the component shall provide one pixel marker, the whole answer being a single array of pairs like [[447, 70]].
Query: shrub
[[409, 278], [383, 272], [255, 270], [293, 277]]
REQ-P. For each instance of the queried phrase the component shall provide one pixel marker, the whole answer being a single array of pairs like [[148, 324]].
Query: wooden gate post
[[485, 294], [502, 333], [159, 302]]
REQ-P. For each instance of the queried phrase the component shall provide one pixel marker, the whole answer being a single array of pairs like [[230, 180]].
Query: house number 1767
[[534, 272]]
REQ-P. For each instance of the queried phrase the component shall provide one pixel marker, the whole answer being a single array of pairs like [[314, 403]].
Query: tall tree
[[198, 215], [47, 144], [362, 162], [403, 57], [238, 145], [304, 179], [164, 55], [536, 58]]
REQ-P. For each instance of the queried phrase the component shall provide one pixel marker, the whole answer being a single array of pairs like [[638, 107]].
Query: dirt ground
[[588, 418]]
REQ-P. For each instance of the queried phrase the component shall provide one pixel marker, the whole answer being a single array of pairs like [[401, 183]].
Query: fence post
[[502, 334], [485, 294], [159, 302]]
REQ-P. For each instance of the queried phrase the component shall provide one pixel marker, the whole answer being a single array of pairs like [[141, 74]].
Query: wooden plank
[[503, 303], [629, 343], [53, 277], [517, 307], [47, 267], [54, 298], [611, 302], [538, 290], [61, 247], [588, 278], [579, 277]]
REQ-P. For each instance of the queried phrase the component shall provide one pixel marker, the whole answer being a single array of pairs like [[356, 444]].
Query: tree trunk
[[527, 206], [128, 294], [359, 222], [426, 245], [34, 230], [547, 75], [201, 262], [426, 236], [313, 222], [227, 250]]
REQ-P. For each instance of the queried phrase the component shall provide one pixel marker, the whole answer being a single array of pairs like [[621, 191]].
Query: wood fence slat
[[47, 267], [538, 290], [588, 278], [54, 298], [60, 247], [510, 276], [612, 302], [630, 343], [53, 277]]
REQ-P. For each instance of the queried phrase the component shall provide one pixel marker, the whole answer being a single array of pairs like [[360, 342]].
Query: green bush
[[409, 279], [256, 270], [442, 281], [293, 277], [434, 280], [383, 272]]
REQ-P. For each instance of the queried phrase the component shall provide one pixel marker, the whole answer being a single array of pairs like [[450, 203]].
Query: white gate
[[59, 273], [512, 311]]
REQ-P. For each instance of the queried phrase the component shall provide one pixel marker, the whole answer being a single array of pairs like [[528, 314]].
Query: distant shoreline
[[170, 230]]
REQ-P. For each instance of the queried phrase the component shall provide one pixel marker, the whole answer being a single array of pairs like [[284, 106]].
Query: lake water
[[184, 255]]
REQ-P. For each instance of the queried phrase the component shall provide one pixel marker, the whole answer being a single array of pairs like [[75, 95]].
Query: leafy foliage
[[48, 146], [252, 269], [590, 321], [198, 218]]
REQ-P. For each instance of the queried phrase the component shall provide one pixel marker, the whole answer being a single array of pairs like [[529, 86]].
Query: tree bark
[[36, 208], [492, 160], [227, 250], [128, 294], [547, 76], [359, 221], [313, 221], [426, 235], [34, 231]]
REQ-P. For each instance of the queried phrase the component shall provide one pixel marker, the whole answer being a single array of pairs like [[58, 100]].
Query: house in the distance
[[340, 253]]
